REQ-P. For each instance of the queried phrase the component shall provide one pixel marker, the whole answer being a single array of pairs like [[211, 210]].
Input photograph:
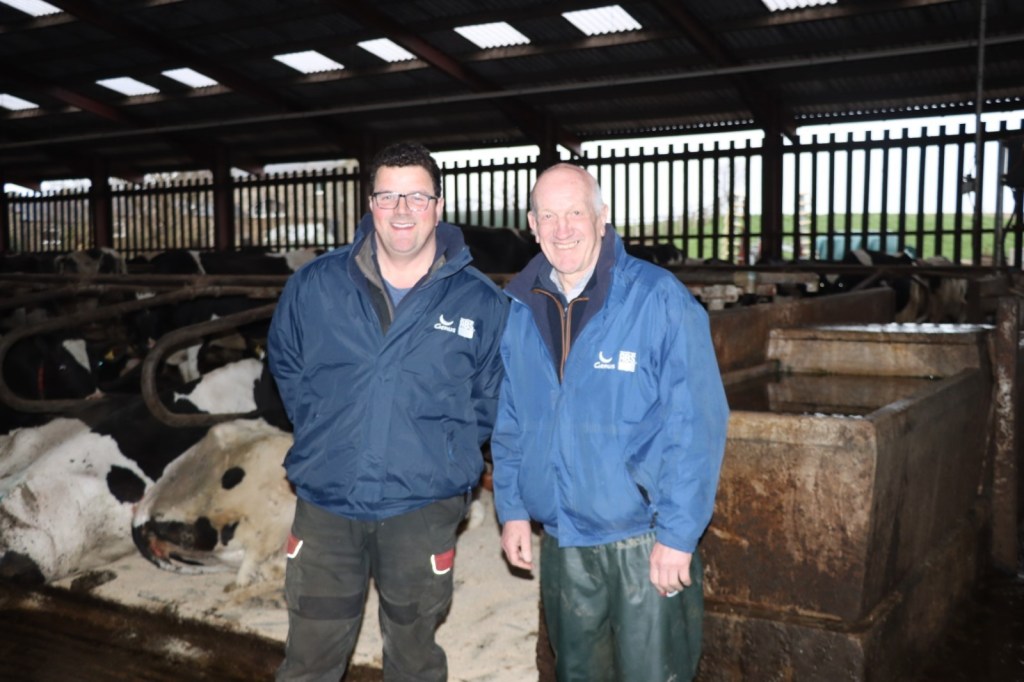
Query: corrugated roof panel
[[693, 64]]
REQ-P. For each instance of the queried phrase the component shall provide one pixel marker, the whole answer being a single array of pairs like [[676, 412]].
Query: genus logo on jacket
[[626, 362], [465, 328]]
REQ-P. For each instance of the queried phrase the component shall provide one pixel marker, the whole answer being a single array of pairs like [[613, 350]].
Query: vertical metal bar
[[901, 226], [686, 199], [795, 222], [730, 209], [830, 227], [716, 201], [921, 177], [700, 204], [958, 214], [940, 190], [883, 220], [865, 218], [748, 255], [813, 203], [848, 226]]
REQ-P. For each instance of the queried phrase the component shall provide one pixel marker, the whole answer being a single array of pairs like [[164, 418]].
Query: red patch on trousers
[[293, 546], [442, 563]]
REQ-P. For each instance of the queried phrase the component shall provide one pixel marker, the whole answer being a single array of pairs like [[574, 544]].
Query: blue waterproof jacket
[[389, 406], [632, 438]]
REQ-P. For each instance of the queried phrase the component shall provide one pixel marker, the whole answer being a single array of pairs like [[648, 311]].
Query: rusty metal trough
[[849, 520]]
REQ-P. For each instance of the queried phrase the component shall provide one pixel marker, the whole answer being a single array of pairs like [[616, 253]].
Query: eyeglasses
[[416, 201]]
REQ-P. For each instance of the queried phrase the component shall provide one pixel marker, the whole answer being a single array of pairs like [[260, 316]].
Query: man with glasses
[[386, 356]]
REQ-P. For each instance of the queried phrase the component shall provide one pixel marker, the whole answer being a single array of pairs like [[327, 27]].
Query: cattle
[[68, 488], [249, 261], [98, 261], [917, 297], [665, 254], [499, 250], [938, 299], [46, 367], [28, 263], [149, 325], [224, 505]]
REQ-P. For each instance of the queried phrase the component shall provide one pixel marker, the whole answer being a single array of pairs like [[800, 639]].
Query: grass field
[[922, 236]]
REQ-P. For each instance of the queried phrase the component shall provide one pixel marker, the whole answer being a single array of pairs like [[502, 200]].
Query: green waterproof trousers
[[607, 622]]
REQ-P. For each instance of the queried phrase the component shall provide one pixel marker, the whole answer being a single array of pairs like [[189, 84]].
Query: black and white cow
[[665, 254], [224, 505], [252, 261], [68, 488], [248, 340], [46, 367], [102, 260]]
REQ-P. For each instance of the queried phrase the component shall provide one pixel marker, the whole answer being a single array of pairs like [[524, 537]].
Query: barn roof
[[686, 66]]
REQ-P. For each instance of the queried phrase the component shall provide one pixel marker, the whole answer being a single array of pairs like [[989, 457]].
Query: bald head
[[568, 218]]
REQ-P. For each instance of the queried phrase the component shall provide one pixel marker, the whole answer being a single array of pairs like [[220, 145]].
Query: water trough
[[849, 521]]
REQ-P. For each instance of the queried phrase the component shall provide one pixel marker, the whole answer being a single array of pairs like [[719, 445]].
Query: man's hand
[[516, 541], [670, 569]]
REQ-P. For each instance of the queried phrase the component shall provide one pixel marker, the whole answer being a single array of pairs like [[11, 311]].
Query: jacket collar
[[451, 255]]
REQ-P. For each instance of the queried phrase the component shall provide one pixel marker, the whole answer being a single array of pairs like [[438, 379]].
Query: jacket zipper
[[566, 318]]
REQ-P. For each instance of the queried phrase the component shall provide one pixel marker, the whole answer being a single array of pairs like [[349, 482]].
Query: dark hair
[[403, 154]]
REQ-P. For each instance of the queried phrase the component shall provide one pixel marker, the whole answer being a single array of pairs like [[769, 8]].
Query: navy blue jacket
[[389, 406]]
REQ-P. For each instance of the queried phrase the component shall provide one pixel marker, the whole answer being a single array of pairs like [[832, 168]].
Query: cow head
[[223, 505]]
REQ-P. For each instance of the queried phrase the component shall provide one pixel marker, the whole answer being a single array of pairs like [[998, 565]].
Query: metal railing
[[918, 192]]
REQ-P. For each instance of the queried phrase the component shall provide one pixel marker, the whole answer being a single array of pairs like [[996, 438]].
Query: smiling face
[[568, 219], [405, 238]]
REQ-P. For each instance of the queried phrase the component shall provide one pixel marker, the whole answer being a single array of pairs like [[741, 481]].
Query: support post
[[101, 211], [223, 203], [1005, 465], [771, 197]]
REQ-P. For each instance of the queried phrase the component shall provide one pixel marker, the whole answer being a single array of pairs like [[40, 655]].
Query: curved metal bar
[[69, 291], [155, 280], [178, 338], [8, 340]]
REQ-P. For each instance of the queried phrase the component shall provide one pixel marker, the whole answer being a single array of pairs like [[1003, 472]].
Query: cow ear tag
[[294, 545], [442, 563]]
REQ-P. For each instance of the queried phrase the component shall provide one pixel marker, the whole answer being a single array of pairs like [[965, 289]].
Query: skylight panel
[[497, 34], [127, 86], [387, 49], [780, 5], [602, 20], [36, 8], [12, 103], [190, 77], [309, 61]]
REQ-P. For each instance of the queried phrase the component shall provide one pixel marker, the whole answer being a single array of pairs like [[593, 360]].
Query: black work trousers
[[410, 558]]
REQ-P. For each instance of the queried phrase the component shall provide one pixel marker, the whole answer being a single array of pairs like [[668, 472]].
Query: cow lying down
[[224, 505], [68, 488]]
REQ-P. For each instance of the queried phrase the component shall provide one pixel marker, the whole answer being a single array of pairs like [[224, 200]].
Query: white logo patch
[[626, 361], [466, 328], [444, 325]]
